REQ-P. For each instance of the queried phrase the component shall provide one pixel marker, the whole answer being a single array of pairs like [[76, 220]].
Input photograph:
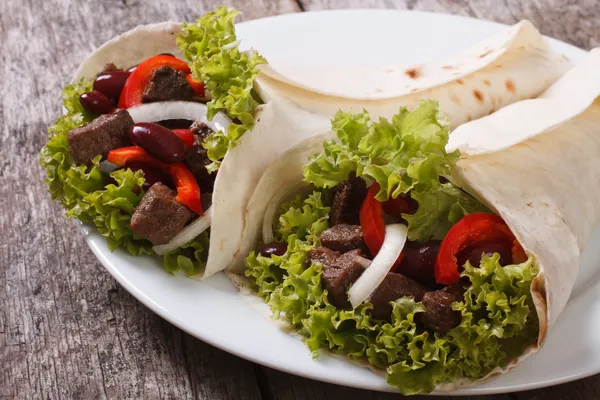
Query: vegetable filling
[[142, 123], [387, 261]]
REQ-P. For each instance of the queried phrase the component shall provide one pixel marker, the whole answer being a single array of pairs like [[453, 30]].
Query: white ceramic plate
[[213, 311]]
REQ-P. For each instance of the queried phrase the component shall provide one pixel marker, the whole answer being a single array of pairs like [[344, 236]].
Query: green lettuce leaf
[[438, 211], [189, 258], [402, 155], [65, 185], [210, 44], [304, 216], [107, 202], [499, 320]]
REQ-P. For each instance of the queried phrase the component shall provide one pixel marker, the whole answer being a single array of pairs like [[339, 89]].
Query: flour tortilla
[[536, 163], [279, 125], [513, 65], [538, 166]]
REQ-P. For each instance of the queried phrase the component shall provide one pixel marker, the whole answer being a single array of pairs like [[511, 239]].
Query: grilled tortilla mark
[[478, 95], [454, 98], [460, 81], [487, 83], [413, 73], [486, 53], [510, 86]]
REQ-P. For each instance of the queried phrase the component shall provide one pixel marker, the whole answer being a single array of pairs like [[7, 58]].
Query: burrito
[[516, 64], [440, 260], [149, 119]]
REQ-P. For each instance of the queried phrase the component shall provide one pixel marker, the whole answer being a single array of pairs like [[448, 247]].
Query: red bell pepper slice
[[133, 91], [188, 191], [469, 231], [186, 135], [371, 219], [196, 85]]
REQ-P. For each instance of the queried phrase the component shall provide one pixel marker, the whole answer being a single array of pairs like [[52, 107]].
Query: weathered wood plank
[[282, 386], [67, 330], [573, 21]]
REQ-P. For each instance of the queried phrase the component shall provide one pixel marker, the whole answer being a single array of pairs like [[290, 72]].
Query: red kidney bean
[[419, 261], [158, 141], [152, 175], [111, 83], [274, 248], [96, 102], [474, 253]]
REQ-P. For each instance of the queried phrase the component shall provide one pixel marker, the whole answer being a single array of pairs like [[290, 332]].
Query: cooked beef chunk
[[440, 316], [159, 217], [393, 287], [325, 256], [347, 199], [110, 67], [167, 84], [338, 276], [343, 238], [105, 133], [419, 261], [200, 129], [176, 123], [196, 160]]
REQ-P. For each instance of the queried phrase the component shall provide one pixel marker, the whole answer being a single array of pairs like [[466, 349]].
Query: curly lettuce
[[105, 201], [438, 211], [210, 44], [499, 320], [404, 155]]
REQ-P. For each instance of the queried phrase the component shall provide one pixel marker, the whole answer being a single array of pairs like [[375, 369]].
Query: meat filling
[[325, 256], [337, 276], [393, 287], [440, 316], [197, 158], [347, 199], [159, 217], [167, 84], [103, 134], [343, 238]]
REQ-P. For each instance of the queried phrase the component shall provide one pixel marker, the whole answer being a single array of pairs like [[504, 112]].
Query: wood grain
[[572, 21], [67, 329]]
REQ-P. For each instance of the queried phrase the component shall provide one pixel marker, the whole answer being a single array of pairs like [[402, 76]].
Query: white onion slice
[[159, 111], [282, 195], [187, 234], [393, 243], [363, 262]]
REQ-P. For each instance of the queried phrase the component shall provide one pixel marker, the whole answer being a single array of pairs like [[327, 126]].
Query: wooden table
[[67, 329]]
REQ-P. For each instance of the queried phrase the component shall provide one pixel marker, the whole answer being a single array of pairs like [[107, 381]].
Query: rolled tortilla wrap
[[535, 163], [243, 165], [537, 166], [513, 65]]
